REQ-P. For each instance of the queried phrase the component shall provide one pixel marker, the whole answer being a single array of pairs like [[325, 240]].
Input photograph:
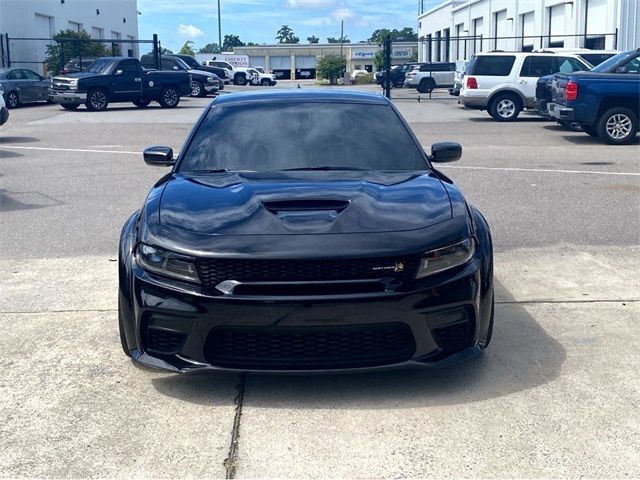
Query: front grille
[[454, 337], [214, 271], [309, 348], [161, 340]]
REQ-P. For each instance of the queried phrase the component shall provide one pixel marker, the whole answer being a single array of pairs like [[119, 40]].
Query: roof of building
[[328, 94]]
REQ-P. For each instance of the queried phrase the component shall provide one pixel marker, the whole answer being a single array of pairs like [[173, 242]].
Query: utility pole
[[341, 36], [219, 29], [387, 66]]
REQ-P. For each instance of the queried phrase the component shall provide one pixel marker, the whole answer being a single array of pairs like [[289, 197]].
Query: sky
[[176, 21]]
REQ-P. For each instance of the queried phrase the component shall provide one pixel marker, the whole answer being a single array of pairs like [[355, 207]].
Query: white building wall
[[44, 18], [579, 22]]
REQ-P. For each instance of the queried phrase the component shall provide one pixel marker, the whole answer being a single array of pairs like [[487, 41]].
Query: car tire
[[590, 130], [97, 100], [70, 106], [197, 89], [240, 80], [265, 82], [123, 338], [426, 85], [618, 126], [505, 107], [141, 103], [221, 86], [169, 98], [12, 99]]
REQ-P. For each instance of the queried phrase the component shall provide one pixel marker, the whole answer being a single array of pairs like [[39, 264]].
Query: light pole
[[219, 29]]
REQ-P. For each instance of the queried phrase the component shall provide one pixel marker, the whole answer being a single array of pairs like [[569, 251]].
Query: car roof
[[303, 95]]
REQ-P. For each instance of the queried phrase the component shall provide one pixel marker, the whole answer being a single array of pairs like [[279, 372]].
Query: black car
[[202, 82], [396, 74], [194, 64], [318, 236]]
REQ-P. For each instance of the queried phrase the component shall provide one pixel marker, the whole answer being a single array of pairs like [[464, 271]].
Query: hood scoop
[[306, 210]]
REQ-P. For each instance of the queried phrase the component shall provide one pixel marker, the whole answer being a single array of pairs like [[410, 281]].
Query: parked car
[[202, 83], [605, 102], [119, 79], [4, 111], [240, 75], [221, 73], [358, 73], [397, 74], [317, 236], [458, 78], [429, 76], [543, 85], [22, 85], [592, 57], [76, 65], [261, 78], [504, 83]]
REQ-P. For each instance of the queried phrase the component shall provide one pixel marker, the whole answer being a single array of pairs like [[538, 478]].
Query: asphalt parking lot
[[556, 395]]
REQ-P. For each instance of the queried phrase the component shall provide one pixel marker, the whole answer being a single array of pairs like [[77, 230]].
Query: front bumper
[[4, 115], [560, 112], [212, 87], [68, 97], [445, 319]]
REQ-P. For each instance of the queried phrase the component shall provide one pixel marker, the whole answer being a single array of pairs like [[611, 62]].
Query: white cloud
[[190, 31]]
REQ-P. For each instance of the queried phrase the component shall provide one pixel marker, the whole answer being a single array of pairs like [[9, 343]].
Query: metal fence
[[49, 55]]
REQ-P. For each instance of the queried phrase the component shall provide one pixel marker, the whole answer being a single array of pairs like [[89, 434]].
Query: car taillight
[[571, 90], [472, 83]]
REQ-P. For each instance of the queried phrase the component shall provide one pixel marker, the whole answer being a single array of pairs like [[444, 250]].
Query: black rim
[[170, 96], [12, 100], [98, 100]]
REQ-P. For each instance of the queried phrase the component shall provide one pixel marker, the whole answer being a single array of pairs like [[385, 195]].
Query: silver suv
[[504, 83], [427, 76]]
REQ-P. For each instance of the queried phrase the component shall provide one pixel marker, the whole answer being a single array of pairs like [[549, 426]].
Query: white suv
[[504, 83], [425, 77]]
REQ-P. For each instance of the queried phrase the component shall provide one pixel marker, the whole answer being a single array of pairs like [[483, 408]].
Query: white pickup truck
[[429, 76], [261, 77]]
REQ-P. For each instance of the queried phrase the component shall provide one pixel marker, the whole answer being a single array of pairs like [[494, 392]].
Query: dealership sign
[[369, 53]]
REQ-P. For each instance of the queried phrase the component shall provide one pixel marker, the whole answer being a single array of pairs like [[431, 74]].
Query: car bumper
[[473, 102], [4, 115], [410, 84], [440, 323], [210, 88], [560, 112], [541, 108], [68, 97]]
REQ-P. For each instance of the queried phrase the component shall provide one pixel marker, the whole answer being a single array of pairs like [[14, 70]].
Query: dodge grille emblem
[[397, 267]]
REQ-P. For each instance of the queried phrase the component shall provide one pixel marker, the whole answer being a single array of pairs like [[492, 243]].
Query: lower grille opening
[[163, 340], [453, 337], [280, 289], [308, 348]]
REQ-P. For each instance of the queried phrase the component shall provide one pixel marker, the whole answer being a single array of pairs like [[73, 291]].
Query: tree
[[337, 40], [164, 51], [210, 48], [251, 44], [313, 39], [231, 41], [187, 48], [331, 67], [407, 34], [285, 35], [378, 60], [65, 45]]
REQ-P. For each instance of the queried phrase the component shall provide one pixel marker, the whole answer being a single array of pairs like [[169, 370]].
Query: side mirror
[[443, 152], [118, 73], [175, 67], [622, 69], [158, 156]]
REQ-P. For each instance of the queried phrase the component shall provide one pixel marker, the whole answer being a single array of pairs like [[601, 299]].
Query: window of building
[[447, 44], [75, 26], [438, 46], [97, 33]]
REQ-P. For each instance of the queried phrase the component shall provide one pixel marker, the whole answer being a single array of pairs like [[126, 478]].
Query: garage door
[[500, 19], [305, 61], [597, 17], [556, 26], [280, 63], [256, 61], [528, 30]]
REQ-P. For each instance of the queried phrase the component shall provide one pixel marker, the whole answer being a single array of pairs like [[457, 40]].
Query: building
[[455, 29], [298, 61], [41, 19]]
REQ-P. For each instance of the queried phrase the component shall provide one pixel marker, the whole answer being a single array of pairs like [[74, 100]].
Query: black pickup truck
[[119, 79]]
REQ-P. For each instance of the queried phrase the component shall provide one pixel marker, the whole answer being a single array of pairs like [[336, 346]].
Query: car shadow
[[10, 139], [518, 120], [585, 139], [8, 154], [521, 356]]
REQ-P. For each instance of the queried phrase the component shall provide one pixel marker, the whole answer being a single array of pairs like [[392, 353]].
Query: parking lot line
[[550, 170], [55, 149]]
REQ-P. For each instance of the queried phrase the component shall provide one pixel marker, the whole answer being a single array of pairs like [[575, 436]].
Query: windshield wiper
[[322, 167]]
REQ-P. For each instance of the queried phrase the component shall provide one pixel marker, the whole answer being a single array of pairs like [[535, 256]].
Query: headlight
[[166, 263], [445, 258], [73, 84], [211, 79]]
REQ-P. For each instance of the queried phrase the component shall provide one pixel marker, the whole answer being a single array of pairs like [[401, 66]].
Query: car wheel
[[141, 103], [197, 90], [70, 106], [169, 98], [426, 85], [221, 85], [240, 80], [505, 108], [97, 100], [13, 100], [265, 82], [590, 130], [123, 338], [618, 126]]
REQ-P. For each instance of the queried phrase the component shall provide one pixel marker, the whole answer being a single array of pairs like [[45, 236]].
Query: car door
[[534, 67], [18, 83], [126, 81], [38, 86]]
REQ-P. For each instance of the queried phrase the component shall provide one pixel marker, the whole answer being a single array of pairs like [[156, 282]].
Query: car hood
[[194, 71], [317, 202]]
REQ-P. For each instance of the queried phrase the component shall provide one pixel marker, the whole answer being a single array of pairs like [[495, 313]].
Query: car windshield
[[190, 61], [302, 135], [607, 65], [100, 66], [181, 63]]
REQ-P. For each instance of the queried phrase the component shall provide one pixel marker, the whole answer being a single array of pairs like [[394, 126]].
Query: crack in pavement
[[231, 462]]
